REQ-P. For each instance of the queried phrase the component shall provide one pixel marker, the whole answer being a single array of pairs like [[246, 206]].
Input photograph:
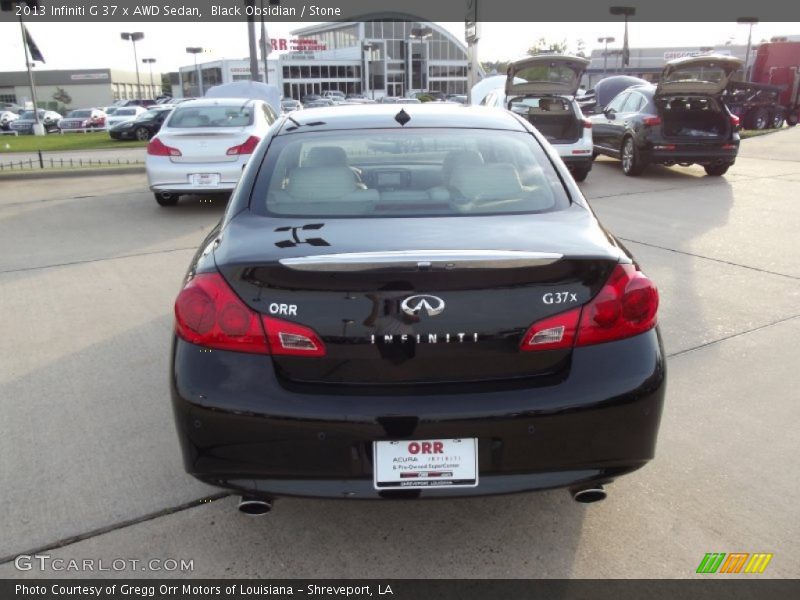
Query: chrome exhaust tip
[[254, 507], [595, 493]]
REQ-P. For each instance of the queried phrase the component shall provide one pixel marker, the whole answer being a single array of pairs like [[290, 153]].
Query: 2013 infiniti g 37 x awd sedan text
[[413, 301]]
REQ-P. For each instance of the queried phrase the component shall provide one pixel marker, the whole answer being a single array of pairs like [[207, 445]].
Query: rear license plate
[[205, 178], [425, 463]]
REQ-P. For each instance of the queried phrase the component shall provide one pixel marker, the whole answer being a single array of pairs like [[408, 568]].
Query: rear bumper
[[241, 430], [165, 176], [684, 153]]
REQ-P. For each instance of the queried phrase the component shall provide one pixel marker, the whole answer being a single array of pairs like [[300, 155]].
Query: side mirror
[[610, 113]]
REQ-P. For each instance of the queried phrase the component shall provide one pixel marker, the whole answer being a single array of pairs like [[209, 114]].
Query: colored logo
[[735, 562]]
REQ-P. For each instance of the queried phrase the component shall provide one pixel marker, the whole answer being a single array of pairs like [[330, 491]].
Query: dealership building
[[374, 58], [86, 87]]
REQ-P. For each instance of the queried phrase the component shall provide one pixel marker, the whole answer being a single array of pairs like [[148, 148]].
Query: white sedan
[[122, 114], [204, 145]]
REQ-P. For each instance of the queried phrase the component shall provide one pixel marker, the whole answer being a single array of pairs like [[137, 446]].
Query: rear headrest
[[321, 183], [326, 156], [459, 158], [495, 181]]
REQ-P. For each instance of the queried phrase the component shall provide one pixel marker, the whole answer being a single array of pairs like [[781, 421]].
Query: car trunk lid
[[545, 74], [205, 145], [707, 75], [436, 314]]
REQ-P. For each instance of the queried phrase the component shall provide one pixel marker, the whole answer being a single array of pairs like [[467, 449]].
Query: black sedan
[[370, 321], [681, 121], [142, 127]]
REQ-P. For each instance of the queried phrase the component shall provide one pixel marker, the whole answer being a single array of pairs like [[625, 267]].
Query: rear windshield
[[392, 173], [187, 117], [80, 113], [124, 112], [700, 72]]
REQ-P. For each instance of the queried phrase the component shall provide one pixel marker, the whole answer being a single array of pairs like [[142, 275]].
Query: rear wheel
[[580, 174], [776, 120], [632, 163], [166, 198], [716, 170], [142, 134], [759, 119], [792, 118]]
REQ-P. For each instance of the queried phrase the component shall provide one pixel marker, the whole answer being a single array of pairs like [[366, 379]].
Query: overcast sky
[[84, 45]]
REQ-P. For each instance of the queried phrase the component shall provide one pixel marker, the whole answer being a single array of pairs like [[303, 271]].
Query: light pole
[[135, 37], [626, 11], [368, 47], [150, 61], [416, 33], [195, 50], [605, 40], [747, 21]]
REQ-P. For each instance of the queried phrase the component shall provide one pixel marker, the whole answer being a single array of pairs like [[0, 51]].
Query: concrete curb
[[58, 173]]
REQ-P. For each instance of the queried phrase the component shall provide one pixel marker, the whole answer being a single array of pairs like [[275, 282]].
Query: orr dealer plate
[[425, 463]]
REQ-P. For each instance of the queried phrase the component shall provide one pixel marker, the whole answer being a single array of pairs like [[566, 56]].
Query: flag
[[626, 51], [36, 54]]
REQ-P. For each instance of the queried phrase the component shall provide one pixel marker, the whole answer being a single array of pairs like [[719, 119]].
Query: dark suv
[[683, 120]]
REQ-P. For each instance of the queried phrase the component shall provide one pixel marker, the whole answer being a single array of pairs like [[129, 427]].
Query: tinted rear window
[[391, 173], [80, 113], [187, 117], [125, 112]]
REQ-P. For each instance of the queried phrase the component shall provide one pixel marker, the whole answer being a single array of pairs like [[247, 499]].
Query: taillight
[[157, 148], [734, 120], [650, 121], [587, 124], [208, 313], [248, 147], [624, 307]]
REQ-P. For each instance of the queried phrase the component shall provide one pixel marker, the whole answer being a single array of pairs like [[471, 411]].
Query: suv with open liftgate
[[542, 89], [681, 121]]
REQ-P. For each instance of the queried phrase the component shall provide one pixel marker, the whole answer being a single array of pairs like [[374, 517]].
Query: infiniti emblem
[[433, 305]]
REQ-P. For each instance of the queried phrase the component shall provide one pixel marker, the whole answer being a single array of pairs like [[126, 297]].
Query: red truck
[[773, 94]]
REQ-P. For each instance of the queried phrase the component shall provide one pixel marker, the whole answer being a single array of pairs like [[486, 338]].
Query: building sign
[[297, 44], [84, 76], [673, 54]]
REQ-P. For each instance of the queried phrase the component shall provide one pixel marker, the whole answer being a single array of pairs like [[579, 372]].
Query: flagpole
[[38, 129]]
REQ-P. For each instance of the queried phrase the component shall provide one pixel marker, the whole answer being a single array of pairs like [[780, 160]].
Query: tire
[[166, 198], [632, 163], [716, 170], [580, 174], [142, 134], [792, 118], [759, 119], [594, 156], [776, 119]]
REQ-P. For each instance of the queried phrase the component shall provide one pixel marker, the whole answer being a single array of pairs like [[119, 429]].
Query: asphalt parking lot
[[90, 466]]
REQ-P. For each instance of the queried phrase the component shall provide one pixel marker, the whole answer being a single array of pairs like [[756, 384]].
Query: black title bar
[[708, 588], [94, 11]]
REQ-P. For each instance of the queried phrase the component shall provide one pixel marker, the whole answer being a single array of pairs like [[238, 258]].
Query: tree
[[166, 84], [61, 95], [580, 48], [542, 46], [495, 67]]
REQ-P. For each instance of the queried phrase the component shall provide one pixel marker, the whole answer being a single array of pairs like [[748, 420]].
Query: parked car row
[[683, 120]]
